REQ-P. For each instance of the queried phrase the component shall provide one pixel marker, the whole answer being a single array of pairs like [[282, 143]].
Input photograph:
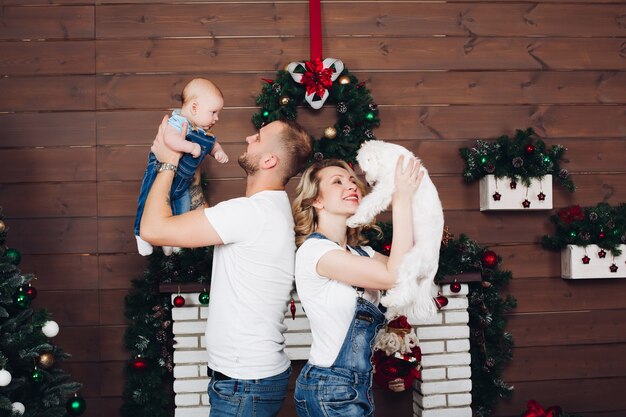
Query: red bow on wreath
[[317, 76], [536, 410]]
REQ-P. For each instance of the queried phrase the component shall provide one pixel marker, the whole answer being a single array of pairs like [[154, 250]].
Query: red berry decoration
[[526, 203], [292, 308], [586, 259], [602, 253], [139, 363], [613, 268], [529, 149], [489, 259], [541, 196], [387, 249], [496, 196], [179, 301], [513, 185], [455, 287], [441, 301], [601, 235], [29, 290]]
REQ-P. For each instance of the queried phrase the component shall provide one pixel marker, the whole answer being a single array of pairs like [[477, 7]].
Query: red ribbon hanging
[[315, 29], [536, 410]]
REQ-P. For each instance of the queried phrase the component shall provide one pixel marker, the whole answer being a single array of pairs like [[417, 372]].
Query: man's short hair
[[297, 144]]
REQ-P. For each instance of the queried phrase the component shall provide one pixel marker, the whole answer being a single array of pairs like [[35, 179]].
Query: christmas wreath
[[602, 225], [521, 158], [314, 82]]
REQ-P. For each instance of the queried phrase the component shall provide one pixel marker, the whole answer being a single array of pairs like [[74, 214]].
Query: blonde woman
[[339, 282]]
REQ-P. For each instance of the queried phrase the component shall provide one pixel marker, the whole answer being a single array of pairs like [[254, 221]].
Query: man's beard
[[251, 167]]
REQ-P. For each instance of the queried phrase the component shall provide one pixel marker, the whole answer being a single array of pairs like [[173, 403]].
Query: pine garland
[[601, 225], [357, 114], [490, 344], [524, 157], [22, 344], [147, 389]]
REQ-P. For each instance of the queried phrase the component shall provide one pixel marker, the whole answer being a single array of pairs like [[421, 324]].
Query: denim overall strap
[[187, 165]]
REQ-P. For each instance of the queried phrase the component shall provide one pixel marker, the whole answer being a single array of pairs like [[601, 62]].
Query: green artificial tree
[[32, 384], [148, 338]]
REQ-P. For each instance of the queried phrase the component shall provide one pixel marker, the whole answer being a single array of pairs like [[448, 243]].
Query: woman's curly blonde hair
[[304, 214]]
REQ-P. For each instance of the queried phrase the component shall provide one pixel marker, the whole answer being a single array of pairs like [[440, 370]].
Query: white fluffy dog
[[413, 293]]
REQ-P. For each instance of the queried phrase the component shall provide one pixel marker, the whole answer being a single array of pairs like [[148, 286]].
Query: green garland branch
[[521, 158], [490, 344], [357, 114], [601, 225]]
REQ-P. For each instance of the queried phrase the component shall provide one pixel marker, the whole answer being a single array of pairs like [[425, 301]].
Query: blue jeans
[[248, 397], [180, 199], [345, 388]]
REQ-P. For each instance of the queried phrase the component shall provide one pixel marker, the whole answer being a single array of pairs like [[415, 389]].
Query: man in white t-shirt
[[253, 267]]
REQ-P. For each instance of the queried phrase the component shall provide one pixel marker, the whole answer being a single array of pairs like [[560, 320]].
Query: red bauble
[[387, 249], [529, 149], [441, 301], [139, 363], [601, 235], [179, 301], [31, 292], [455, 287], [489, 259]]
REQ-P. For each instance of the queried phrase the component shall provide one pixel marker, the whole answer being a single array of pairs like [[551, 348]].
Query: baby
[[202, 102]]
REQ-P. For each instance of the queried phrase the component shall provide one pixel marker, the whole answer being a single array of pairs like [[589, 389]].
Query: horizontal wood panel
[[117, 271], [51, 164], [69, 22], [50, 58], [573, 395], [83, 305], [403, 123], [146, 91], [216, 55], [112, 343], [54, 235], [529, 260], [112, 372], [557, 294], [71, 199], [112, 307], [66, 93], [567, 328], [82, 342], [376, 19], [47, 129], [62, 271], [89, 375], [115, 235]]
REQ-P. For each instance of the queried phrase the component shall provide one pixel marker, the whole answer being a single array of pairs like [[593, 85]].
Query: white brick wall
[[443, 390]]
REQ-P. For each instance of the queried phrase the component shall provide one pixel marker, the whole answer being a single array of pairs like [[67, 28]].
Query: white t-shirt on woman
[[328, 304]]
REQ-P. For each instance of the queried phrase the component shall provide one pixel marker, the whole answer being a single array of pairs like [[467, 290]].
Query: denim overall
[[180, 198], [345, 388]]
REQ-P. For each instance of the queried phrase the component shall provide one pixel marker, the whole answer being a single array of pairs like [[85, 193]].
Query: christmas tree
[[31, 382]]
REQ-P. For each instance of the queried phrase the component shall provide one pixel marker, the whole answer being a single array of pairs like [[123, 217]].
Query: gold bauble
[[46, 360], [2, 226], [284, 100], [343, 80], [330, 132]]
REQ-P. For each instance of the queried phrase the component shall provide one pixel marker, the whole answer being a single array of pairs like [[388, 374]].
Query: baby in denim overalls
[[202, 102]]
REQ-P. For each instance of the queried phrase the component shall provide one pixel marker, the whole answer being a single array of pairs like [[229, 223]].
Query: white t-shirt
[[328, 304], [250, 286]]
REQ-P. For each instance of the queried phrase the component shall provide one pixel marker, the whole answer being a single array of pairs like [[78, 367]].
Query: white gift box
[[498, 194], [573, 264]]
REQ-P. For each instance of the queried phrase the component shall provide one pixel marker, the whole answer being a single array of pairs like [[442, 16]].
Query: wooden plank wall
[[84, 84]]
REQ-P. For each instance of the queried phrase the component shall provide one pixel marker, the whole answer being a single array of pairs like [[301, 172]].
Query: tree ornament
[[292, 308], [541, 196], [37, 375], [139, 363], [76, 406], [517, 162], [284, 100], [490, 168], [179, 301], [369, 134], [370, 116], [526, 203], [203, 297], [387, 248], [160, 336], [343, 80], [22, 300], [14, 256], [586, 260], [29, 290], [347, 130], [513, 185], [2, 226], [50, 328], [18, 408], [455, 287], [529, 149], [602, 253], [330, 132], [496, 196], [372, 106], [276, 88], [318, 156], [266, 114], [489, 259], [46, 360], [5, 377], [601, 235], [441, 301], [563, 173], [317, 76], [342, 108], [613, 268]]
